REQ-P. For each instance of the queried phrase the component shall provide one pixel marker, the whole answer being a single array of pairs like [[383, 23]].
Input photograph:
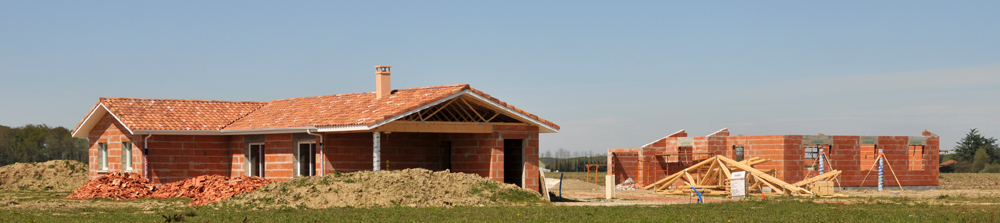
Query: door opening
[[513, 164], [255, 159], [446, 159], [305, 159]]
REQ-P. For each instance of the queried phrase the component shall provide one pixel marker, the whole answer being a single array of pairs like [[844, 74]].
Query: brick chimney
[[383, 86]]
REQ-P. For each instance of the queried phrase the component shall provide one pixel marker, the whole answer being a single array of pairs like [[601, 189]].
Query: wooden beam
[[817, 178], [494, 116], [439, 109], [763, 175], [435, 126], [473, 109], [685, 170]]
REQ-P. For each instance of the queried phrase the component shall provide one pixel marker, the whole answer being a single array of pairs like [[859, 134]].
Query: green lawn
[[773, 210]]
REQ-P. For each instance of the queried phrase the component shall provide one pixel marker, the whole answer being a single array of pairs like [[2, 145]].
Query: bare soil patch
[[53, 175], [966, 181], [410, 187]]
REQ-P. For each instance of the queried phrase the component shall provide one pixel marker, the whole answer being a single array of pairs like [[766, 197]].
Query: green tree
[[39, 143], [972, 142], [981, 160]]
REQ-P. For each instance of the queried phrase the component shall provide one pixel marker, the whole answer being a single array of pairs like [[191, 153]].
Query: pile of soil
[[116, 185], [410, 187], [208, 189], [53, 175], [202, 189]]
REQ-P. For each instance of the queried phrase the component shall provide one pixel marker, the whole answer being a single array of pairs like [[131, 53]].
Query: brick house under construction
[[793, 157], [453, 127]]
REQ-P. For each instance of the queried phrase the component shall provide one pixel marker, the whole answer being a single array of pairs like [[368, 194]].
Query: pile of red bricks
[[117, 185], [208, 189], [202, 189]]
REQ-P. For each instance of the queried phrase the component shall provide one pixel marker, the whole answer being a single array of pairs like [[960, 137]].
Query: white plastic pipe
[[376, 147], [322, 163], [145, 153]]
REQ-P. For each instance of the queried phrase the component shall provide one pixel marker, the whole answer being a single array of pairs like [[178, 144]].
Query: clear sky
[[611, 73]]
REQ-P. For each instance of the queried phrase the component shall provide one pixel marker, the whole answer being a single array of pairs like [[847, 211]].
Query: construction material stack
[[711, 177]]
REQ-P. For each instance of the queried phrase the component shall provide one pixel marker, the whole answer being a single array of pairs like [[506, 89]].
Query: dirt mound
[[207, 189], [53, 175], [116, 185], [410, 187]]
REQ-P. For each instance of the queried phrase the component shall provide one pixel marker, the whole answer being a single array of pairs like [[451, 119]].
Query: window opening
[[126, 156], [738, 153], [916, 157], [102, 157], [812, 152], [868, 155]]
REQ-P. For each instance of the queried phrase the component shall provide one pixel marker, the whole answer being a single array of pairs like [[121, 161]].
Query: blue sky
[[612, 74]]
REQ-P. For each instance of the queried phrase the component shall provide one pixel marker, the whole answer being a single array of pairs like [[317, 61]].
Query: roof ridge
[[371, 92], [179, 100]]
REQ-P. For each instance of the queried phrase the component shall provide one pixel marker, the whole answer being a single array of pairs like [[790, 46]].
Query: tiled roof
[[318, 111], [173, 114], [342, 109]]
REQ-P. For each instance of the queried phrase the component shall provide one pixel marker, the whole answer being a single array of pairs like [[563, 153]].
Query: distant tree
[[39, 143], [972, 142], [981, 160]]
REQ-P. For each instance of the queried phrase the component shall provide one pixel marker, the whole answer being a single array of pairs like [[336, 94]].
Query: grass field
[[33, 206], [773, 210]]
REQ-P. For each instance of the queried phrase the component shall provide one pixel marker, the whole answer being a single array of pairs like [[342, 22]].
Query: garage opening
[[513, 165]]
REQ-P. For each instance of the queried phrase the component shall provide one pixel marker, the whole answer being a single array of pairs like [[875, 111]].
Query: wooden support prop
[[894, 177], [869, 172]]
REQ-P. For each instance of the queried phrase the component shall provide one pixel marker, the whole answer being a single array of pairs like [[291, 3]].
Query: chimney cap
[[382, 69]]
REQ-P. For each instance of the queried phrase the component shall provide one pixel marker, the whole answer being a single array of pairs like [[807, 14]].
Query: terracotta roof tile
[[173, 114], [317, 111], [342, 109]]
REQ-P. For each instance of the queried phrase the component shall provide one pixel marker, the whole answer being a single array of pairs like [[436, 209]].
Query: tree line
[[40, 143], [974, 153], [566, 161]]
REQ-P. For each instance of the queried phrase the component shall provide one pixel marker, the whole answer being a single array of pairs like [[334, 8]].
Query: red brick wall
[[477, 153], [177, 157], [109, 131], [787, 155], [624, 164]]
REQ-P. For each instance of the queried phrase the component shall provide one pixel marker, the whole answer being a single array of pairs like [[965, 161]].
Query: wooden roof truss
[[460, 109], [711, 177]]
